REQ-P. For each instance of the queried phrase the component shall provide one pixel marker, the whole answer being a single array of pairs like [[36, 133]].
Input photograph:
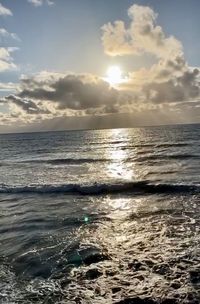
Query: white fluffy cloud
[[142, 35], [6, 59], [170, 80], [5, 11], [41, 2]]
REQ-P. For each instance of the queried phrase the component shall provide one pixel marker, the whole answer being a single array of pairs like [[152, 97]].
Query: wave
[[140, 187], [62, 161], [155, 145], [78, 161], [167, 156], [166, 145]]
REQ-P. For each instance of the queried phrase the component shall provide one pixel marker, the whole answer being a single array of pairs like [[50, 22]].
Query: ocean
[[105, 216]]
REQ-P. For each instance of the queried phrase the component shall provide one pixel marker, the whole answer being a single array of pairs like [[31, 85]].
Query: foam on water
[[147, 255]]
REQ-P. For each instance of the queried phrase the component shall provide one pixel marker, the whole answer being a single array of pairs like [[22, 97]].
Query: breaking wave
[[104, 188]]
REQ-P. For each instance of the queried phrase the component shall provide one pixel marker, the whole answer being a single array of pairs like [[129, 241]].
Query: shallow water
[[108, 216]]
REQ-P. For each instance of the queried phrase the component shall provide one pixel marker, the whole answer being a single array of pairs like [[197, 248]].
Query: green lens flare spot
[[86, 219]]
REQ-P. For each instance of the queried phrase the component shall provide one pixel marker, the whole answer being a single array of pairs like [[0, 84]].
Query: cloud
[[6, 60], [47, 95], [5, 36], [166, 82], [168, 91], [37, 3], [170, 80], [142, 36], [8, 86], [57, 94], [26, 105], [76, 92], [183, 88], [5, 11]]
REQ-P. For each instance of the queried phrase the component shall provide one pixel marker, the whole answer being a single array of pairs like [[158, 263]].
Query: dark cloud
[[79, 95], [63, 95], [26, 105], [175, 89], [71, 92]]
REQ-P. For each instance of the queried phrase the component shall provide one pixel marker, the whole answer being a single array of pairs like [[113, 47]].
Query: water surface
[[109, 216]]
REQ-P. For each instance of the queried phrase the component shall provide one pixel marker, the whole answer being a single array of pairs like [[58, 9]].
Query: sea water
[[107, 216]]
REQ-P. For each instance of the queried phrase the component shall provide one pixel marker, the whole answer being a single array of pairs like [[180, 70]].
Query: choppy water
[[108, 216]]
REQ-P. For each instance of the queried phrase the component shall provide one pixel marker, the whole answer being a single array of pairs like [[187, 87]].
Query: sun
[[114, 75]]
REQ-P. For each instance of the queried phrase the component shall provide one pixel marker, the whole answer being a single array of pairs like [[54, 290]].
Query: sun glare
[[114, 75]]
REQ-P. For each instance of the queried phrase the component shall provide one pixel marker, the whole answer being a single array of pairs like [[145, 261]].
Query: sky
[[75, 64]]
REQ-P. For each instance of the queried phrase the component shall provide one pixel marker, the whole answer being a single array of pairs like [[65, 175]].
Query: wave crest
[[103, 188]]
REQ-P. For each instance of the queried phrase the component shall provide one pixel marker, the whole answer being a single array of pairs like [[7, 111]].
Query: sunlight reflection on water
[[118, 168]]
